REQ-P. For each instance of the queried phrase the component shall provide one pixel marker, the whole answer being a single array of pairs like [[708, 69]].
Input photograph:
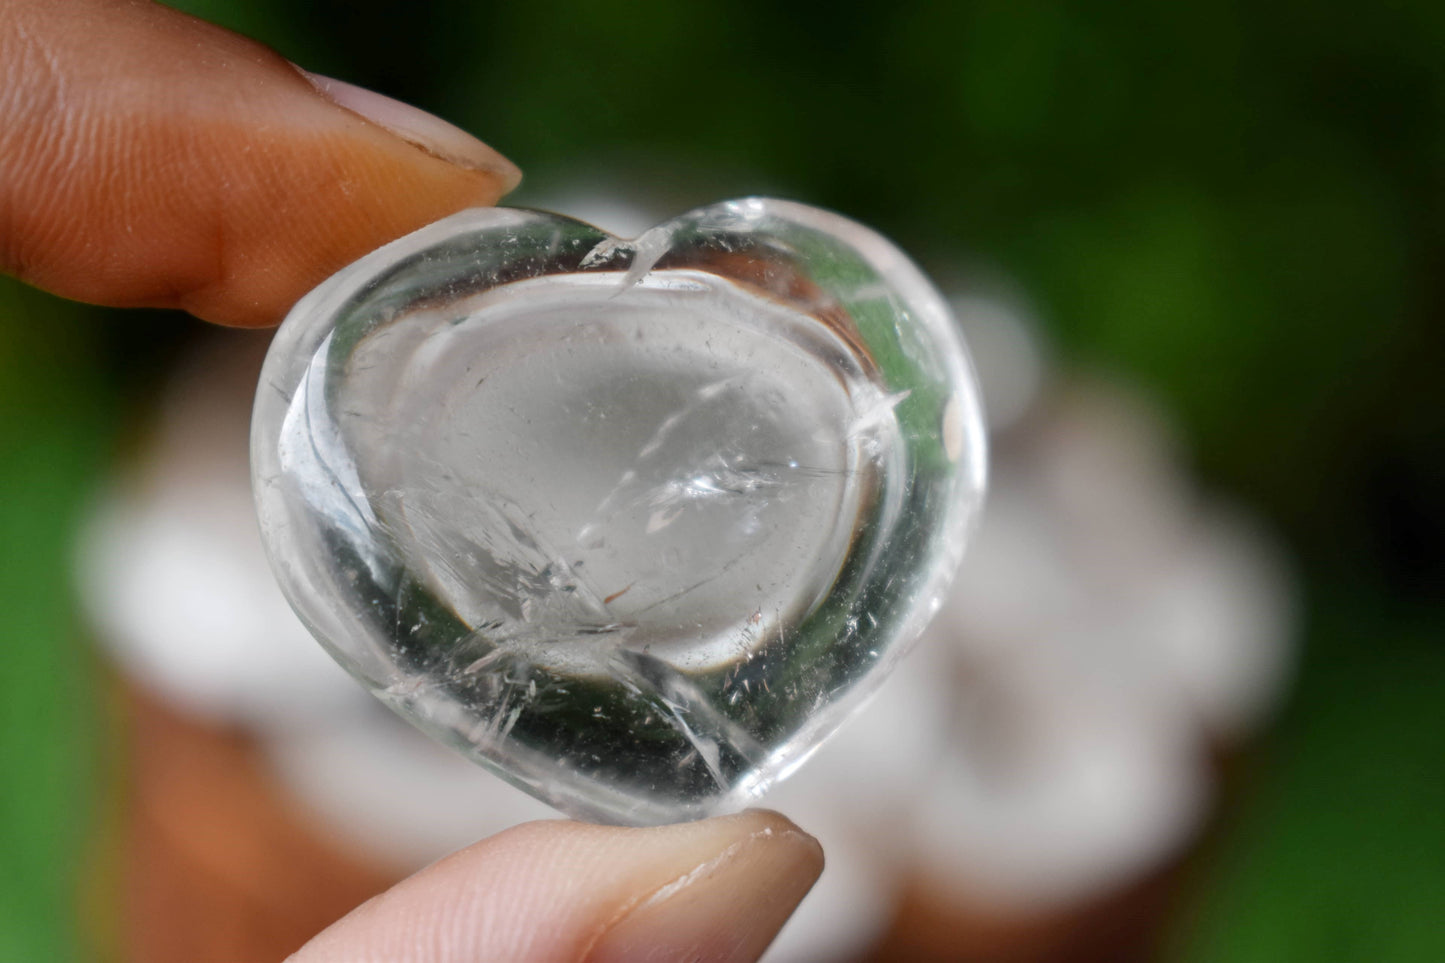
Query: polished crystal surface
[[635, 524]]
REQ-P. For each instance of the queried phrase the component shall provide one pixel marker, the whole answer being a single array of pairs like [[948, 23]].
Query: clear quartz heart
[[634, 524]]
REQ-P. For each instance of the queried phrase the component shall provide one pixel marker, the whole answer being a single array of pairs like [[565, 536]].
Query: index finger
[[151, 159]]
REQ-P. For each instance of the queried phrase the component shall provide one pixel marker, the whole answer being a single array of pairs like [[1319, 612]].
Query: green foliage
[[1339, 854], [52, 435]]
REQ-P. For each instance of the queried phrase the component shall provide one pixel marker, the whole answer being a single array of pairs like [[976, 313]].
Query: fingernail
[[728, 908], [417, 127]]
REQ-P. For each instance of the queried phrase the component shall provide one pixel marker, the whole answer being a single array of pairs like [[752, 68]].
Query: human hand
[[147, 158]]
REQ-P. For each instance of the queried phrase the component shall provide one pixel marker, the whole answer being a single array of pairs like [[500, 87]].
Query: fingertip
[[419, 128], [713, 890], [727, 909]]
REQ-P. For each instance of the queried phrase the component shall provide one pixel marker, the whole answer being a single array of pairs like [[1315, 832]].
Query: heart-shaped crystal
[[635, 524]]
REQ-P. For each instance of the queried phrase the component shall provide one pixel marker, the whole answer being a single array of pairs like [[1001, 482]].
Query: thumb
[[149, 158], [715, 891]]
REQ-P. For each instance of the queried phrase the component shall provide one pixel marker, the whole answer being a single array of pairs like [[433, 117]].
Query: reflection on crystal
[[634, 523]]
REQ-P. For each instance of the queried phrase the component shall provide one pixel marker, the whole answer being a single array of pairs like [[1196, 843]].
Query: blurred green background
[[1239, 206]]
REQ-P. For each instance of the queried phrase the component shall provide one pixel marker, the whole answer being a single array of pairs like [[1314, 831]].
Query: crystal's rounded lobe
[[633, 523]]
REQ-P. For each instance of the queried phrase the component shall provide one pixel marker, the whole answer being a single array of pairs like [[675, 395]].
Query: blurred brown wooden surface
[[1125, 926], [217, 864]]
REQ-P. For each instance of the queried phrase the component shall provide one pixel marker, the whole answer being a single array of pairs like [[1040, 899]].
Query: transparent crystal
[[635, 524]]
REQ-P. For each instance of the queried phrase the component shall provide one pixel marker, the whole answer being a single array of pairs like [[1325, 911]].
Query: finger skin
[[715, 891], [149, 158]]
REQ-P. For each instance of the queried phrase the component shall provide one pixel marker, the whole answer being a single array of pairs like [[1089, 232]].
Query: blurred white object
[[177, 587], [1096, 548], [172, 572], [1054, 792], [857, 794], [1230, 609], [381, 787], [1105, 626]]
